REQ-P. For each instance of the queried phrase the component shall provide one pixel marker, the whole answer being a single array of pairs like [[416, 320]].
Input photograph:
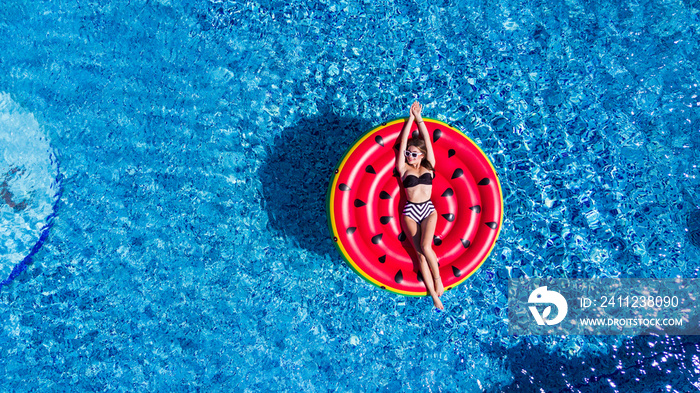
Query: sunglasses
[[411, 154]]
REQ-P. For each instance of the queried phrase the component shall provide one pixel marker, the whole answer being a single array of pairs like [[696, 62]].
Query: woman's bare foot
[[439, 288], [438, 303]]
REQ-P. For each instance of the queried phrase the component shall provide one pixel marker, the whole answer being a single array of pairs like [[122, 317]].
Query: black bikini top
[[413, 180]]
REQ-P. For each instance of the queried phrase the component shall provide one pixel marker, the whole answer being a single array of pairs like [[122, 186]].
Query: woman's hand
[[416, 110]]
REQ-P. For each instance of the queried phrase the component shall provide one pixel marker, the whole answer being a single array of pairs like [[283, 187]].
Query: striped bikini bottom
[[418, 211]]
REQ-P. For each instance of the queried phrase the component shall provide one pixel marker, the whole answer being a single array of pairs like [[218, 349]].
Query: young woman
[[415, 163]]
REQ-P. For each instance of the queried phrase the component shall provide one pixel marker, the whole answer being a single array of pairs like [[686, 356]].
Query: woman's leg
[[426, 243], [414, 231]]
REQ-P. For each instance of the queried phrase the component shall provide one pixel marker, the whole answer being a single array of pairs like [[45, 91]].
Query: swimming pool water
[[188, 248]]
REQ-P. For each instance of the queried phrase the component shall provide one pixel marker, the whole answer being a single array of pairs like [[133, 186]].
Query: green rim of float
[[365, 199]]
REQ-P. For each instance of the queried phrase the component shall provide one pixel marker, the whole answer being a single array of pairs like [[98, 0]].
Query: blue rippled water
[[188, 248]]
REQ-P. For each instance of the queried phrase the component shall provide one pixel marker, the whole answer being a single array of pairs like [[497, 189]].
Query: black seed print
[[344, 187], [436, 135], [369, 169], [456, 272], [448, 193], [457, 173], [476, 208], [379, 140], [384, 195], [351, 230], [398, 277], [466, 243], [359, 203], [449, 217], [385, 219], [485, 181], [492, 225], [377, 238]]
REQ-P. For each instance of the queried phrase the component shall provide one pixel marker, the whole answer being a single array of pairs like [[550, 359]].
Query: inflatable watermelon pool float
[[365, 200]]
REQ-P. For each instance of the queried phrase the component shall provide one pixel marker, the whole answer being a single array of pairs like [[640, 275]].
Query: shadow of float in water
[[297, 172]]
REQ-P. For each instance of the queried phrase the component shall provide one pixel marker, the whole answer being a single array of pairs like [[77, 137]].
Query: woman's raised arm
[[401, 158], [416, 110]]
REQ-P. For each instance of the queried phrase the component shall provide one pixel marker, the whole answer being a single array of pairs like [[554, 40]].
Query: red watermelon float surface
[[365, 200]]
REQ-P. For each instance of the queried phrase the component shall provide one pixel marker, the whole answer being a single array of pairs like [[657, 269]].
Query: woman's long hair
[[420, 144]]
